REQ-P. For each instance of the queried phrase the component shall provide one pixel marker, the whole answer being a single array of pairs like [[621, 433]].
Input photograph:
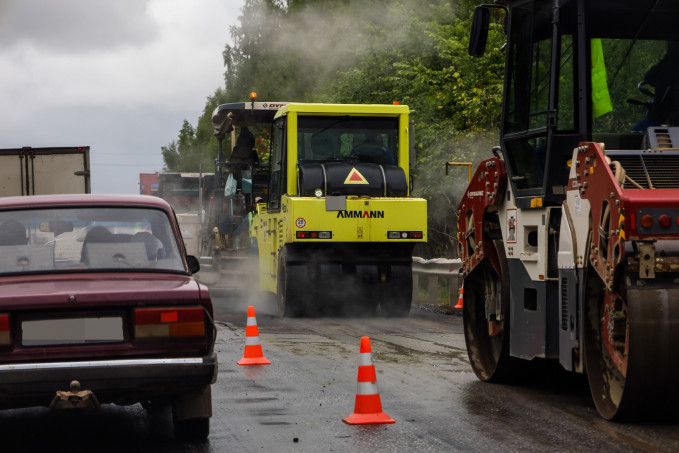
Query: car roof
[[84, 200]]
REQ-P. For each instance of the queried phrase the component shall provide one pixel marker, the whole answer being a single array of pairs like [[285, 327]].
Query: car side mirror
[[194, 265], [479, 31]]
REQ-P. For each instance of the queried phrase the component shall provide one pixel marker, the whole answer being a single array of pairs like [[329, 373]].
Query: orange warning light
[[253, 96]]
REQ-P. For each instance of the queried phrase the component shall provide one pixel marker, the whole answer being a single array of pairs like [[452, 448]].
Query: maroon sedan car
[[98, 305]]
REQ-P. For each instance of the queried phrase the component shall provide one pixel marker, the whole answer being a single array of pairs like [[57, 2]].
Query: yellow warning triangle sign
[[354, 177]]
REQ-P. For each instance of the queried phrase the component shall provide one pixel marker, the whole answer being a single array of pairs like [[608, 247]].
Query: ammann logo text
[[360, 214]]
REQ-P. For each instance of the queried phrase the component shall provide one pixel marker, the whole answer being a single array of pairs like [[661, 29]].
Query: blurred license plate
[[72, 331]]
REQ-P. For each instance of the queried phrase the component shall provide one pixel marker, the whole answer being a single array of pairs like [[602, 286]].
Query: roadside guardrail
[[429, 273]]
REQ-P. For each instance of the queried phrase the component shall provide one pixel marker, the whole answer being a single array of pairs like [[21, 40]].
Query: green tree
[[185, 154]]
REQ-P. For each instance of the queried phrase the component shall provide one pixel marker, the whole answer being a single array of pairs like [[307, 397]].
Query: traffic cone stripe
[[366, 374], [367, 389], [253, 349], [367, 406], [252, 341], [365, 347], [366, 359]]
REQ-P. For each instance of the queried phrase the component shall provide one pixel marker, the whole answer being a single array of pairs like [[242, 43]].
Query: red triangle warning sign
[[355, 177]]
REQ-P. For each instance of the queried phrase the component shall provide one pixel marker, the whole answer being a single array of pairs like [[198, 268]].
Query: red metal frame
[[484, 190]]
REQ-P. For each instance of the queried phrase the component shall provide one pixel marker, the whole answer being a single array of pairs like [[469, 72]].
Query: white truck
[[41, 171]]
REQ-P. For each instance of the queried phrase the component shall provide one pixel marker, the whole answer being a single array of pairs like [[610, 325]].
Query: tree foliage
[[368, 51]]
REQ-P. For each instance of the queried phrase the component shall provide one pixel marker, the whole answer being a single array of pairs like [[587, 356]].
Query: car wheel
[[193, 429], [191, 415], [155, 406]]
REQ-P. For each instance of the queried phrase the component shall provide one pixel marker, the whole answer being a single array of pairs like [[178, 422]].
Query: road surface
[[296, 404]]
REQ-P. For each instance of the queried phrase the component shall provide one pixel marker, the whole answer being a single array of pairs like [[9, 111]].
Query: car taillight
[[5, 339], [159, 323]]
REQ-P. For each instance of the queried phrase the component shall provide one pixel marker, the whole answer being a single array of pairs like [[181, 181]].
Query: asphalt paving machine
[[230, 193]]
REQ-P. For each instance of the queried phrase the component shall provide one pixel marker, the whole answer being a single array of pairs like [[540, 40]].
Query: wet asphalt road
[[297, 403]]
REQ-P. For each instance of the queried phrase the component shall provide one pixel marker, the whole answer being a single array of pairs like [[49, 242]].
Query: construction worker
[[372, 150], [664, 78], [244, 151]]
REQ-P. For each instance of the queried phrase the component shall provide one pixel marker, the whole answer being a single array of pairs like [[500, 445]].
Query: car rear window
[[87, 239]]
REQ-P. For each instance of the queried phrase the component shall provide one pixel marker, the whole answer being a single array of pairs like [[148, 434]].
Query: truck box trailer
[[43, 171]]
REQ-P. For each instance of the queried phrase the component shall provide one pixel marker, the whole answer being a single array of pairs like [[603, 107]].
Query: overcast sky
[[119, 76]]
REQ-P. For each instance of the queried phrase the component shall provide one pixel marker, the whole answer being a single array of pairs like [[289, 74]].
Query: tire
[[630, 347], [488, 353], [397, 296], [191, 412], [155, 406], [285, 295], [192, 430], [353, 294], [606, 382]]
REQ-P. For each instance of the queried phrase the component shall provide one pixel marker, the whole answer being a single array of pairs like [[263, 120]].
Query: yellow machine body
[[356, 224]]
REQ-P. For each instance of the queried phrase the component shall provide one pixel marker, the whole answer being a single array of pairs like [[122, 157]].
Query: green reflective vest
[[601, 98]]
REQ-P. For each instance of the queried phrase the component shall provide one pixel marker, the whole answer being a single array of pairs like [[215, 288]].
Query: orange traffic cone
[[253, 348], [368, 407], [459, 299]]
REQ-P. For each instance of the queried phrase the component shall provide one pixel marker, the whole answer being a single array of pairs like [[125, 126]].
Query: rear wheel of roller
[[487, 339], [286, 295]]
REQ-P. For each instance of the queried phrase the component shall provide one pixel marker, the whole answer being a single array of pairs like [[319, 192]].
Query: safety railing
[[435, 274]]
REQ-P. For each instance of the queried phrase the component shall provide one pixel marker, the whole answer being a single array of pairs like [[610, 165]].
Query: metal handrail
[[434, 270]]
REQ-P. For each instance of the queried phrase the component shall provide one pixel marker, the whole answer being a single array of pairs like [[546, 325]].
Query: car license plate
[[46, 332]]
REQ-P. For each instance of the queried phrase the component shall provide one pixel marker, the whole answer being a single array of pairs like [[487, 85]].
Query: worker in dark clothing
[[664, 78], [244, 151], [372, 150]]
